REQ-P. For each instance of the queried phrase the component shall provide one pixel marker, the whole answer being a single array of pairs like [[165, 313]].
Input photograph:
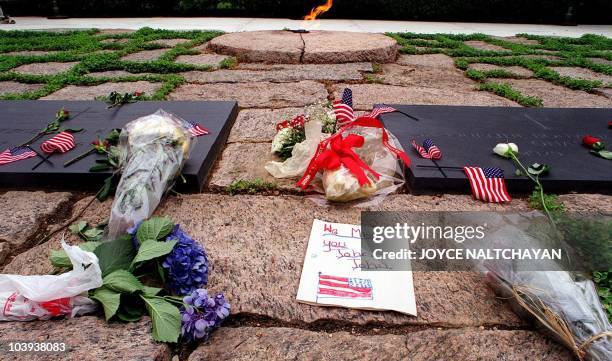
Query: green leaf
[[99, 168], [129, 314], [166, 319], [77, 227], [151, 291], [60, 259], [106, 189], [154, 228], [606, 154], [538, 169], [152, 249], [93, 234], [109, 299], [122, 281], [114, 255]]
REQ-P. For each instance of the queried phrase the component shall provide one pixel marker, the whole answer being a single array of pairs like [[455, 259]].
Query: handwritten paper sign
[[333, 274]]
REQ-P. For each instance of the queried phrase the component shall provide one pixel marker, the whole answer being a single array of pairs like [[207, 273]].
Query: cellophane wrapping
[[153, 150], [558, 298], [300, 155], [340, 185]]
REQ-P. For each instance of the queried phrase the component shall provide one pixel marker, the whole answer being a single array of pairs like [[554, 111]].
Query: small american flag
[[488, 184], [344, 108], [196, 129], [344, 287], [429, 150], [15, 154], [380, 109], [62, 143]]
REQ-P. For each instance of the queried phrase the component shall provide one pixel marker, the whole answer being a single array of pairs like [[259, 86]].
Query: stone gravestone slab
[[466, 136], [20, 120]]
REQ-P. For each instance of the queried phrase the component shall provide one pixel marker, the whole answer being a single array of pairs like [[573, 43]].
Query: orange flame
[[319, 10]]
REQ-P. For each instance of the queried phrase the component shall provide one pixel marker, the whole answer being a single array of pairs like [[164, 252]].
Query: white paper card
[[332, 274]]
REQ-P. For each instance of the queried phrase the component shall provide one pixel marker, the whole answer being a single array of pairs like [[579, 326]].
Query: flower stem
[[539, 187], [79, 157]]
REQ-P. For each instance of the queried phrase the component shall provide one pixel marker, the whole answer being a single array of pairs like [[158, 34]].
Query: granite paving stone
[[518, 71], [284, 73], [442, 78], [169, 43], [274, 343], [201, 59], [49, 68], [87, 338], [583, 73], [256, 94], [259, 125], [345, 47], [427, 60], [265, 46], [483, 45], [79, 92], [366, 95], [22, 214], [14, 87]]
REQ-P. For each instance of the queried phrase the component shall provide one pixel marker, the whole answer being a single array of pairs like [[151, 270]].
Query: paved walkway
[[253, 24], [256, 243]]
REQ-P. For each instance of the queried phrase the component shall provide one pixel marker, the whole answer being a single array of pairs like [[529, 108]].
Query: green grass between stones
[[94, 55], [574, 52], [252, 186]]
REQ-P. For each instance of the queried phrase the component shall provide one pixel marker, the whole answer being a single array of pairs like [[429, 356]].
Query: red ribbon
[[341, 153]]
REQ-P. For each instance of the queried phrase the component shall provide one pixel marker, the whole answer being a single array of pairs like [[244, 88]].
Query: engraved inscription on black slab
[[466, 136], [20, 120]]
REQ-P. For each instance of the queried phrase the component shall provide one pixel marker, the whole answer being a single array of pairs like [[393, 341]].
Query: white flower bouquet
[[153, 150]]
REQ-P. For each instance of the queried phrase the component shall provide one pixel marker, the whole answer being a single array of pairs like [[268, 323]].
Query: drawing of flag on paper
[[344, 287]]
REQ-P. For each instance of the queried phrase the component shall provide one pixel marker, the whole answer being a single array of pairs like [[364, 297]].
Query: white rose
[[505, 149]]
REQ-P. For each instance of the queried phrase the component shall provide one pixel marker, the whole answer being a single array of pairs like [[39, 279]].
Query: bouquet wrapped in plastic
[[296, 140], [360, 160], [153, 150], [564, 303]]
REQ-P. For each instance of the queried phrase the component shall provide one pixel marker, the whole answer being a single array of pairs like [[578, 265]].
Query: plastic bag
[[360, 161], [153, 150], [25, 298]]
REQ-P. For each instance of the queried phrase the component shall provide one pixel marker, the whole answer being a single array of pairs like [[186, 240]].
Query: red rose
[[137, 94], [590, 140]]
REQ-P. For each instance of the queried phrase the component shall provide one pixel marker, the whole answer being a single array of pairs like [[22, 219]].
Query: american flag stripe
[[378, 111], [16, 154], [196, 129], [342, 287], [344, 108], [62, 143], [487, 184], [428, 150], [422, 152], [344, 113]]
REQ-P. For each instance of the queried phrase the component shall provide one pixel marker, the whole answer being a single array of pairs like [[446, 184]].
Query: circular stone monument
[[315, 47]]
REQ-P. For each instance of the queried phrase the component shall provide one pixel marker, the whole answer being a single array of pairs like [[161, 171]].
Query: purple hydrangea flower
[[202, 314], [132, 232], [187, 264]]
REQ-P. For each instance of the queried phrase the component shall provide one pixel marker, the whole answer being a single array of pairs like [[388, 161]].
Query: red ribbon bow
[[340, 152]]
